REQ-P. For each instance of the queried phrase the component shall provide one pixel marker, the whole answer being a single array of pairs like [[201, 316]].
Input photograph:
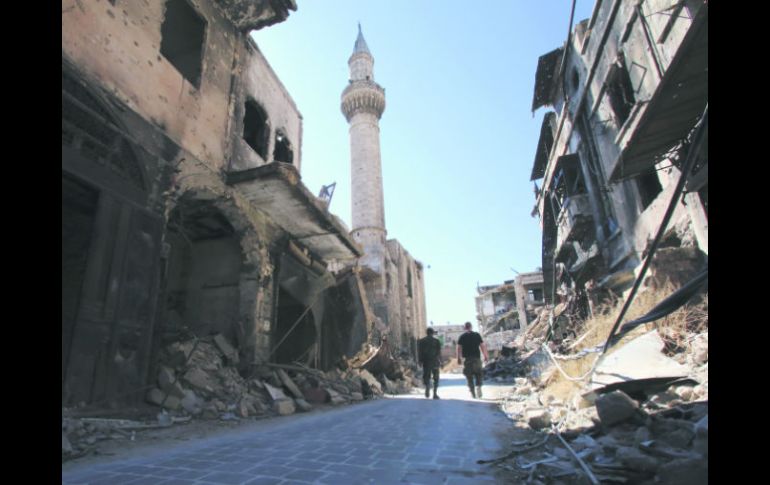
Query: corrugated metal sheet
[[675, 107]]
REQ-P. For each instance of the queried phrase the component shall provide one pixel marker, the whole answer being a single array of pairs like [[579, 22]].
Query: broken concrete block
[[635, 459], [290, 385], [160, 398], [191, 403], [338, 400], [538, 418], [284, 406], [179, 353], [356, 396], [199, 380], [155, 396], [275, 393], [303, 405], [683, 471], [316, 395], [371, 380], [169, 384], [227, 350], [615, 407]]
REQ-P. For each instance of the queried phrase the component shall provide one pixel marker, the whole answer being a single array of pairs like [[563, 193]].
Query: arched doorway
[[110, 255], [203, 273]]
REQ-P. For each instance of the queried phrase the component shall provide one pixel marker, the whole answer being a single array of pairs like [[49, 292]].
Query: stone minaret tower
[[363, 102]]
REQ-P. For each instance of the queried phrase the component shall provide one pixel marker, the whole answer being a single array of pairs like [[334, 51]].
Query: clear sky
[[457, 137]]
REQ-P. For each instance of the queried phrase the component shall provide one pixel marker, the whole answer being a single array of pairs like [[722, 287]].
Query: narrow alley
[[544, 166]]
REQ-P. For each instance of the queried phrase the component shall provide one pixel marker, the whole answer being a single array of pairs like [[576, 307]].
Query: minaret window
[[182, 35], [282, 151], [256, 130]]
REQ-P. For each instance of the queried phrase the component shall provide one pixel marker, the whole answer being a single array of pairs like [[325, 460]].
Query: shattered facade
[[393, 278], [510, 306], [629, 92], [183, 211]]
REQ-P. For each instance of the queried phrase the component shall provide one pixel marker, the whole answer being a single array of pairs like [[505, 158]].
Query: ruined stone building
[[183, 211], [629, 93], [511, 305], [393, 278]]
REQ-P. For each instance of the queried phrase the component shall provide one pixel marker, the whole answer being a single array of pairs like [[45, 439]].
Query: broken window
[[182, 35], [649, 187], [535, 294], [567, 180], [621, 92], [282, 151], [255, 128]]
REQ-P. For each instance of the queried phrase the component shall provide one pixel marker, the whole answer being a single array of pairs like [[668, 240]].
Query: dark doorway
[[295, 331], [203, 275]]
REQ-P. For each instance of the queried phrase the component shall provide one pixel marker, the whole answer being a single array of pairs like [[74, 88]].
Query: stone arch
[[228, 269]]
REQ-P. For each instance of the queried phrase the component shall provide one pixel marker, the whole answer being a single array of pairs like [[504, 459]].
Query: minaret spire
[[363, 102]]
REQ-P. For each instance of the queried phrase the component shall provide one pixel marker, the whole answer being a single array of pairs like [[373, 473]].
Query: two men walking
[[470, 346]]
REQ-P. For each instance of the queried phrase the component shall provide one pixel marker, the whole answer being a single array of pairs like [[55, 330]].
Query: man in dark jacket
[[429, 355], [470, 343]]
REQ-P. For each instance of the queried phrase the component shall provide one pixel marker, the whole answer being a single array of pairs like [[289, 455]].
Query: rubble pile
[[640, 415], [199, 379], [663, 439], [505, 367]]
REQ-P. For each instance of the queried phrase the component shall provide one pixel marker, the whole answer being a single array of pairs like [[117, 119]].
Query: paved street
[[403, 439]]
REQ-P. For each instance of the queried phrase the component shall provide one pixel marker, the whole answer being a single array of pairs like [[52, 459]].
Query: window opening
[[649, 187], [255, 128], [621, 93], [282, 151], [182, 34]]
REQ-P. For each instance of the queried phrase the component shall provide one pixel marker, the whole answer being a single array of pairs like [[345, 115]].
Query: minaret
[[363, 102]]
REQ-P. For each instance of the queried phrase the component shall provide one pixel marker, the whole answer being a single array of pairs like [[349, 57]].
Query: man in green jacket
[[429, 355]]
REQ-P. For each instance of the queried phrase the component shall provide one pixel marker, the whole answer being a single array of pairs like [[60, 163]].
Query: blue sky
[[457, 136]]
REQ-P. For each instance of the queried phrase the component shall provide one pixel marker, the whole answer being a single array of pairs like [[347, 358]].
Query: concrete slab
[[639, 359]]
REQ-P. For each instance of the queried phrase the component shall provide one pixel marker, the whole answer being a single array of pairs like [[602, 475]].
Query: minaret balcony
[[363, 96]]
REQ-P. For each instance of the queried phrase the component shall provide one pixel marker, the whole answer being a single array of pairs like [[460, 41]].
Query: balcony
[[573, 221]]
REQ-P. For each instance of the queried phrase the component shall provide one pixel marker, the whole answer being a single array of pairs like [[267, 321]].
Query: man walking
[[469, 344], [429, 355]]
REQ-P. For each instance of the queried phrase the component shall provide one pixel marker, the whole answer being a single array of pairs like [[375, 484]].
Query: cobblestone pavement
[[402, 439]]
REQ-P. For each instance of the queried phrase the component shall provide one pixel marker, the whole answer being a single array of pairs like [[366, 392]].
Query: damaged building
[[629, 99], [183, 210], [393, 279], [511, 306]]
